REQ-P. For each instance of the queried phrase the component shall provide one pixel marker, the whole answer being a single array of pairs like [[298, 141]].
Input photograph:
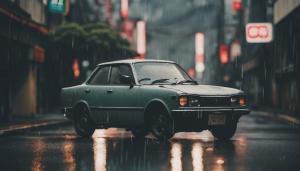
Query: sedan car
[[151, 96]]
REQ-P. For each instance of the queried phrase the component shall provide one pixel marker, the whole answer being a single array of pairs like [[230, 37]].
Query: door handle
[[87, 90], [109, 91]]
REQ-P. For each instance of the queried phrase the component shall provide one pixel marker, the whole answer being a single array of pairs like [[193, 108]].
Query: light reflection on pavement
[[68, 151], [184, 151], [38, 154], [197, 155], [259, 144], [176, 155]]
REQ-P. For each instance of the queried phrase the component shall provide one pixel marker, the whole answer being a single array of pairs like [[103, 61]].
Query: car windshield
[[160, 73]]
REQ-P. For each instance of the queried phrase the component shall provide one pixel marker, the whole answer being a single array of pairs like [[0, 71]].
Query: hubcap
[[159, 125], [82, 122]]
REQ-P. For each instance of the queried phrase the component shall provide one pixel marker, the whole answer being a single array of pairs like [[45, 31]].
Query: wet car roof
[[130, 61]]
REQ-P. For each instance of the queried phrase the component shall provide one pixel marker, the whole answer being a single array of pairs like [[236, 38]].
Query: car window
[[149, 71], [117, 71], [100, 77]]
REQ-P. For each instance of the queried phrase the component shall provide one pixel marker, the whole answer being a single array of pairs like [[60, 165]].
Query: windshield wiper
[[144, 79], [186, 81], [159, 80]]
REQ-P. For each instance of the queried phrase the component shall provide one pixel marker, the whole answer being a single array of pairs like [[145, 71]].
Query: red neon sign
[[223, 54], [237, 5], [124, 8], [259, 32]]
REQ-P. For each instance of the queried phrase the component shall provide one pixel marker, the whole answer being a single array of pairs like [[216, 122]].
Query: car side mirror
[[126, 79]]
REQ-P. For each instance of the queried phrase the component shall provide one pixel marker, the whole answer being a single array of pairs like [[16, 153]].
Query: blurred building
[[92, 11], [22, 35], [73, 68], [255, 56], [171, 29], [31, 73], [285, 63], [230, 40], [271, 69]]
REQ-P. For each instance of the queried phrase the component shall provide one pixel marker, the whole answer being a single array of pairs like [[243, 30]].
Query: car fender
[[84, 103], [159, 101]]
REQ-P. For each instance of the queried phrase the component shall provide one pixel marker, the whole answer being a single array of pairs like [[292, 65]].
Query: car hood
[[203, 89]]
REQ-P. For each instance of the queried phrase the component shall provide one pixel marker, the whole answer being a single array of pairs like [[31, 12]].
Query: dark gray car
[[151, 96]]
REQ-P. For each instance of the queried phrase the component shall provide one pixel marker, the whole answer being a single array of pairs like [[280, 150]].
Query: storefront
[[287, 55], [21, 51]]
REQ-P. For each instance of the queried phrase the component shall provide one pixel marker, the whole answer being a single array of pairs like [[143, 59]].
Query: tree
[[95, 42], [69, 37], [106, 44]]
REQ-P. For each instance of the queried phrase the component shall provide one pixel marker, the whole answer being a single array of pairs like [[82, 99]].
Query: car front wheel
[[161, 125], [83, 126], [224, 133]]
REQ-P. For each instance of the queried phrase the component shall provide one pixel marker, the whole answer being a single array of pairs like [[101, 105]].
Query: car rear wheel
[[161, 125], [224, 133], [82, 123]]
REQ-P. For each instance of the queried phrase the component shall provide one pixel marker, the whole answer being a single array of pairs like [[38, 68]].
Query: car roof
[[130, 61]]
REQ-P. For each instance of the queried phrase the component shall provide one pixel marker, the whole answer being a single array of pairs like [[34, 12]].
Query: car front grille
[[212, 101]]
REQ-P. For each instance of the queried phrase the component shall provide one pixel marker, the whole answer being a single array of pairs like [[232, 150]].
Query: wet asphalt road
[[259, 144]]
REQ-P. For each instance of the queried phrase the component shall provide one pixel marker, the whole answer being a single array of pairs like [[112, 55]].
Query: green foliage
[[96, 42], [92, 26], [70, 35]]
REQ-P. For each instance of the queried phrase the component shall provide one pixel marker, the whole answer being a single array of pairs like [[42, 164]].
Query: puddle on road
[[116, 149], [185, 151]]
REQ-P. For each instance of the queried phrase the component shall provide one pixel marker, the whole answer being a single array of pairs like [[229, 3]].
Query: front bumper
[[237, 110], [196, 118]]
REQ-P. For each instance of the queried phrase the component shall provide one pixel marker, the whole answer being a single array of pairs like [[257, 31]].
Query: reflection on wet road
[[259, 144]]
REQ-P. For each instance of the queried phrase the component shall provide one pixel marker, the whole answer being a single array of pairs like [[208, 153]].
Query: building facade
[[22, 35], [271, 69], [286, 82]]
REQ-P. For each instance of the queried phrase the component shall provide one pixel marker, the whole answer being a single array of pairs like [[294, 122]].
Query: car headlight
[[238, 100], [242, 101], [183, 101]]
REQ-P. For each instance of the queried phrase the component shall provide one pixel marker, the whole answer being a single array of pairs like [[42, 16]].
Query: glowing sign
[[199, 44], [57, 6], [259, 32], [199, 50], [237, 5], [124, 8], [141, 37], [235, 50], [223, 54]]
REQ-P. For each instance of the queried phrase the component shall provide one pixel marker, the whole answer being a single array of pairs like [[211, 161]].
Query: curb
[[31, 127], [280, 117]]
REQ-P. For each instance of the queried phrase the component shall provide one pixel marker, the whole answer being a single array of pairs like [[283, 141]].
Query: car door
[[122, 100], [96, 94]]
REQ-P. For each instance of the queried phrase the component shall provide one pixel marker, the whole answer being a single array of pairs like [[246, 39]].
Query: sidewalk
[[278, 115], [38, 121]]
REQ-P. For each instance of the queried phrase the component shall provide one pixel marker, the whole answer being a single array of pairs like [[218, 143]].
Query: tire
[[161, 124], [139, 133], [224, 133], [82, 123]]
